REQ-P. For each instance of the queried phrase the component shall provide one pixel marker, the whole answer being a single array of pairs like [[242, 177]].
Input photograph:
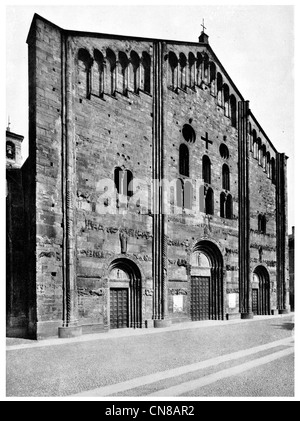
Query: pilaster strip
[[244, 223], [68, 186]]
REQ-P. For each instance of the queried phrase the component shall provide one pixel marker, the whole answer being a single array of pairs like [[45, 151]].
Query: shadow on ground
[[286, 326]]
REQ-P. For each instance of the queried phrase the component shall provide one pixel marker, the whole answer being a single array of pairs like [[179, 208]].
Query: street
[[238, 358]]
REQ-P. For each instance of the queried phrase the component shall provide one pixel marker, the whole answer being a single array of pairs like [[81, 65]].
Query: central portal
[[206, 282], [125, 292]]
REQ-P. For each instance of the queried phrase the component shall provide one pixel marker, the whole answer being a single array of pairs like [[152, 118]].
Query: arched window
[[222, 205], [199, 68], [191, 78], [262, 223], [111, 60], [146, 68], [273, 171], [264, 161], [10, 150], [182, 74], [188, 195], [209, 202], [202, 198], [259, 223], [118, 179], [128, 183], [123, 180], [250, 141], [233, 110], [85, 62], [219, 89], [184, 160], [134, 76], [98, 73], [229, 210], [206, 68], [173, 62], [213, 72], [225, 177], [179, 193], [255, 145], [123, 73], [206, 169], [188, 133], [226, 99], [259, 151], [268, 163], [224, 152]]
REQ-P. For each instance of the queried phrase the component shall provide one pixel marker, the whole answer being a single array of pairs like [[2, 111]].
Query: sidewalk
[[20, 343], [106, 359]]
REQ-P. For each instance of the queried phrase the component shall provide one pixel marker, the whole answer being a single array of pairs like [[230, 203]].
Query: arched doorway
[[261, 291], [125, 292], [206, 282]]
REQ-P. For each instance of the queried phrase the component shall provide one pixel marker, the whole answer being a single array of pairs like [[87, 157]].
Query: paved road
[[229, 358]]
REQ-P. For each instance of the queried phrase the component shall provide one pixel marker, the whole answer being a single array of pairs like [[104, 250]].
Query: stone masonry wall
[[45, 145], [112, 131], [199, 108], [263, 201]]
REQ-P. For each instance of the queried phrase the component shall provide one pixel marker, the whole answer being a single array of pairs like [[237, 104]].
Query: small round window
[[188, 133], [224, 152]]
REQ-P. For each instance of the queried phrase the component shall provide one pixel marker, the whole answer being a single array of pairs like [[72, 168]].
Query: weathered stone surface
[[84, 241]]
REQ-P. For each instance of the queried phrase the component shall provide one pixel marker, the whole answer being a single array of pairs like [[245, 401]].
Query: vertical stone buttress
[[159, 228], [244, 216], [70, 310], [281, 234]]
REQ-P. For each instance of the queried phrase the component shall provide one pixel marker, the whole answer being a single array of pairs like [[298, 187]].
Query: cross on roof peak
[[8, 124], [203, 27]]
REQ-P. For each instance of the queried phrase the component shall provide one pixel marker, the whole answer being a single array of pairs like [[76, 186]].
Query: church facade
[[153, 195]]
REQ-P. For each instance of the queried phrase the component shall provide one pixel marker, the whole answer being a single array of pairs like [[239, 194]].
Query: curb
[[123, 333]]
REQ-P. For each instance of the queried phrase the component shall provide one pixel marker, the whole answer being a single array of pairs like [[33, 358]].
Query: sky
[[255, 44]]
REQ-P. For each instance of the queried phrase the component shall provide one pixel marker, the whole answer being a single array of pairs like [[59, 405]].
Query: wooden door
[[255, 301], [118, 308], [200, 298]]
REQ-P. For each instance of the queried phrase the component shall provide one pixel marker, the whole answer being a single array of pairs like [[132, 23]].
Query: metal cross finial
[[203, 27], [8, 124]]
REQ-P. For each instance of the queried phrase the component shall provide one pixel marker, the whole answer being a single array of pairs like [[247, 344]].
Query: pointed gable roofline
[[134, 38], [204, 45]]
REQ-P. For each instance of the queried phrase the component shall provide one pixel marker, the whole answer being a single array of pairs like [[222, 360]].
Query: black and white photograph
[[150, 203]]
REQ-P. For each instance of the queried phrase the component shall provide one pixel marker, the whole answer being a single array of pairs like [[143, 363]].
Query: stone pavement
[[181, 360]]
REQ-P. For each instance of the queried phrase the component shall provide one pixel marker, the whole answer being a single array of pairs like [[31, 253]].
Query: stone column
[[244, 217], [159, 228], [282, 234], [70, 326]]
